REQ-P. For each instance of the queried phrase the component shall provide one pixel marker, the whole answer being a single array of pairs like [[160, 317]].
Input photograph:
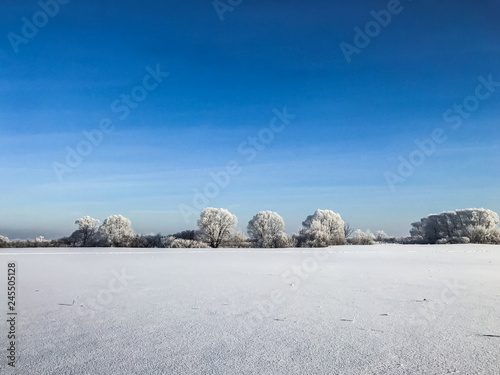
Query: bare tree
[[348, 230]]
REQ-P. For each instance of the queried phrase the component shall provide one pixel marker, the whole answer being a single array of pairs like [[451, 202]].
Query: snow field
[[383, 309]]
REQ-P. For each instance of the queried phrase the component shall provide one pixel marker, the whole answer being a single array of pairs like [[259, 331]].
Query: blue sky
[[353, 121]]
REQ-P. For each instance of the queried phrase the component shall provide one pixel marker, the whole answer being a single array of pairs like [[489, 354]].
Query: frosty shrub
[[4, 241], [237, 240], [216, 225], [285, 241], [460, 240], [180, 243], [116, 231], [267, 230], [495, 236], [363, 238], [453, 241], [482, 234], [146, 241], [477, 224], [323, 228]]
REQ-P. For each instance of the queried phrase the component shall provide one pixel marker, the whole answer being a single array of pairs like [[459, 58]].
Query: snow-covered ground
[[385, 309]]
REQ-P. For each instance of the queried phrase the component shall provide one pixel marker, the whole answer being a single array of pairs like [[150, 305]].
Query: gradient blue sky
[[353, 121]]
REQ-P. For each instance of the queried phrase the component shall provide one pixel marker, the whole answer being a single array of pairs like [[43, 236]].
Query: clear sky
[[91, 64]]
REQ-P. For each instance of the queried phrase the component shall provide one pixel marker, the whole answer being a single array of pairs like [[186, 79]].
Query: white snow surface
[[382, 309]]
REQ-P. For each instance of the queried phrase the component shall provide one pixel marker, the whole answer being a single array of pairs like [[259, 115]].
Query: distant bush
[[453, 240], [180, 243], [237, 240], [363, 238], [186, 235], [146, 241]]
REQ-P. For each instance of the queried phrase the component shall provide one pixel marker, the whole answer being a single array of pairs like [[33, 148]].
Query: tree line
[[217, 228]]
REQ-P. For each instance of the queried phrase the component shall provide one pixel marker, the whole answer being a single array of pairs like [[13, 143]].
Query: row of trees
[[217, 228], [267, 229]]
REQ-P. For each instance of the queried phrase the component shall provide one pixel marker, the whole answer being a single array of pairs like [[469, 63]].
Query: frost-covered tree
[[477, 224], [381, 236], [117, 231], [216, 225], [267, 229], [363, 238], [417, 231], [323, 228], [87, 228], [481, 234]]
